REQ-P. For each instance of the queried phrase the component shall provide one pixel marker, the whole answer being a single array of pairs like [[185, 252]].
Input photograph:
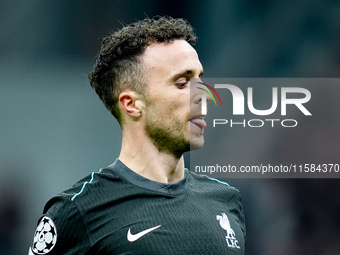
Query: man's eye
[[181, 85]]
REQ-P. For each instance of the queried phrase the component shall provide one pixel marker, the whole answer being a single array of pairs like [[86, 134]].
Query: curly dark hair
[[118, 64]]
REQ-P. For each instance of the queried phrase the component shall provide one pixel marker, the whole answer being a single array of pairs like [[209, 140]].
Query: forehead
[[168, 59]]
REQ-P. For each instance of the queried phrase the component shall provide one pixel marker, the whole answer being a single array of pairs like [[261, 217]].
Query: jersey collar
[[138, 180]]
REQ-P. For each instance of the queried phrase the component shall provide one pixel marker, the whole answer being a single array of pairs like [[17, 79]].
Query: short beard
[[167, 136]]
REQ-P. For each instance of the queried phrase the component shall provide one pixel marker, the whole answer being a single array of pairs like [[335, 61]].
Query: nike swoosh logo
[[132, 238]]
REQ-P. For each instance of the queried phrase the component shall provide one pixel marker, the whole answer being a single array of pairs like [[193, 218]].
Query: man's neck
[[141, 155]]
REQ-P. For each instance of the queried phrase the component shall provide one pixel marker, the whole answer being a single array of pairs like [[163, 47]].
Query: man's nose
[[203, 91], [199, 91]]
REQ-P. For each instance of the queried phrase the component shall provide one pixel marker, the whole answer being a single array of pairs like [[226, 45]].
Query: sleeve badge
[[45, 237]]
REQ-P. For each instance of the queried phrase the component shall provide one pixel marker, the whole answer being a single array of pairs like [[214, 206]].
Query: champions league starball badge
[[45, 237]]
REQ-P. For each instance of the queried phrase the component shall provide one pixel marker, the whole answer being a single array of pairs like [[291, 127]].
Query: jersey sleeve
[[60, 230]]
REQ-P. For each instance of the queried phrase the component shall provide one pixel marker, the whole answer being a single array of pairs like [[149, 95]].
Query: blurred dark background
[[54, 130]]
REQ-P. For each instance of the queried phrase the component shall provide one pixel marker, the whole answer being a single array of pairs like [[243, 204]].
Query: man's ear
[[131, 103]]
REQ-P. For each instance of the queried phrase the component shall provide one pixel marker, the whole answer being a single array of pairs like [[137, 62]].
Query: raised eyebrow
[[185, 74], [182, 74]]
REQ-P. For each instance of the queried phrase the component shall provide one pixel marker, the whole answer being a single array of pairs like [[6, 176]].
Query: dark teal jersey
[[117, 211]]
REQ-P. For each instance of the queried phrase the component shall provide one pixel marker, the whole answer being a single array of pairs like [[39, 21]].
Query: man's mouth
[[198, 121]]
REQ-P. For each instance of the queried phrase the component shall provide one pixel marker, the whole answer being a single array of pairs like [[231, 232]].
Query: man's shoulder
[[63, 223], [212, 188], [201, 179], [91, 187]]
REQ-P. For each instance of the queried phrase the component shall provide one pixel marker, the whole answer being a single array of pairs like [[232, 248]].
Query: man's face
[[173, 117]]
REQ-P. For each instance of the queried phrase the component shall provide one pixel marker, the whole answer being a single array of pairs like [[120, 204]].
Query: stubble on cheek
[[166, 130]]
